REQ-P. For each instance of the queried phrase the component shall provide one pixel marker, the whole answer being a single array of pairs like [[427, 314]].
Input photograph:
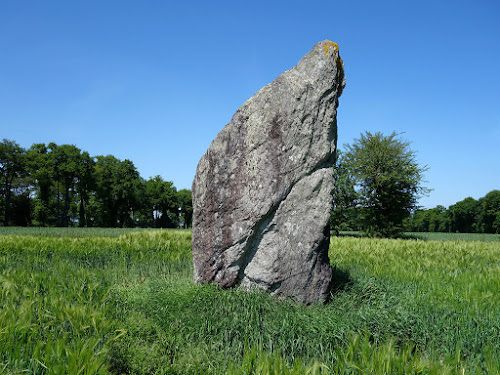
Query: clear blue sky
[[155, 81]]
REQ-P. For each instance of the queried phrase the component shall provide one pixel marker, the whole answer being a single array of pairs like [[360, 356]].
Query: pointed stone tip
[[329, 46]]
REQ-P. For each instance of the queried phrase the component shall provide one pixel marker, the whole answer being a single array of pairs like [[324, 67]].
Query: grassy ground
[[70, 232], [124, 303]]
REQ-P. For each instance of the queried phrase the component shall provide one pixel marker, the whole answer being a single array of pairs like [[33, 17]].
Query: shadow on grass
[[413, 236], [341, 280], [401, 236], [354, 234]]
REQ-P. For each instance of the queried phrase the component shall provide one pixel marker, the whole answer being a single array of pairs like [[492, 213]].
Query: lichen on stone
[[326, 47]]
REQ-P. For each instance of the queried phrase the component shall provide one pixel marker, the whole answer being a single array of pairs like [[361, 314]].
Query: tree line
[[61, 185], [377, 185], [467, 216]]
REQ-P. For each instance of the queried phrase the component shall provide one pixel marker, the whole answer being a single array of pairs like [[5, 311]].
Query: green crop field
[[99, 301]]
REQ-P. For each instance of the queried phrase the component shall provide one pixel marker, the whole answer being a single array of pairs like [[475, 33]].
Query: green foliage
[[489, 212], [73, 177], [344, 197], [61, 185], [433, 220], [118, 189], [466, 216], [388, 181], [41, 169], [162, 202], [463, 215], [496, 223], [12, 165]]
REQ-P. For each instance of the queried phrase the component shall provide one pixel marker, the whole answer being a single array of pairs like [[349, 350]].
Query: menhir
[[262, 193]]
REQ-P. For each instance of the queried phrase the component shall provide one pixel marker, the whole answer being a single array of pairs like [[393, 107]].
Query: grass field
[[69, 232], [123, 302]]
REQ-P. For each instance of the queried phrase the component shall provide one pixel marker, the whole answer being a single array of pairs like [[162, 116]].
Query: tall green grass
[[73, 232], [126, 304], [56, 313]]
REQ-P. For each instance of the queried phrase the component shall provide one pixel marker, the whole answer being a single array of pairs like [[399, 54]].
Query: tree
[[67, 160], [496, 223], [127, 185], [388, 180], [61, 185], [12, 165], [41, 169], [489, 210], [419, 221], [431, 220], [84, 185], [106, 200], [344, 196], [162, 202], [464, 216], [21, 204], [117, 195]]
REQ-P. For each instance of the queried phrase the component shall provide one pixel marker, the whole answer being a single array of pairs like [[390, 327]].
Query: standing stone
[[263, 190]]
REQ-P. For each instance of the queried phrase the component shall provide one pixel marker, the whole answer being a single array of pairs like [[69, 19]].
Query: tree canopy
[[387, 180], [344, 197], [466, 216], [12, 162], [61, 185]]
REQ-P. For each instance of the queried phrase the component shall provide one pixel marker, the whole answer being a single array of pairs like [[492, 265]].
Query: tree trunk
[[6, 218], [58, 207], [66, 207], [82, 213]]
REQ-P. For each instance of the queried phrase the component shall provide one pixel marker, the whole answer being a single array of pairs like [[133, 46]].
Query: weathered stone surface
[[263, 190]]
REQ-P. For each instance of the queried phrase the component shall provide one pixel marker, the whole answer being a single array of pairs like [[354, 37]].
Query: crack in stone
[[262, 226]]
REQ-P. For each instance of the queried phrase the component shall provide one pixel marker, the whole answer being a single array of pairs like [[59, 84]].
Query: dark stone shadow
[[348, 234], [401, 236], [341, 280]]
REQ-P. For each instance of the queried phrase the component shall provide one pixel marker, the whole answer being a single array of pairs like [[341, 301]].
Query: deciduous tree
[[163, 204], [41, 169], [344, 196], [388, 180], [489, 210], [118, 187], [67, 160], [464, 216], [12, 160]]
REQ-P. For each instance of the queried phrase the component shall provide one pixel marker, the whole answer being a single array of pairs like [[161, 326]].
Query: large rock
[[263, 190]]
